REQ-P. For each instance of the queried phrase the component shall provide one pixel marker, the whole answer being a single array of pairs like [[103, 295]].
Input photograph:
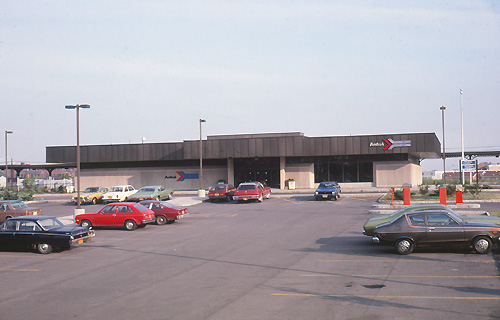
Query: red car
[[221, 192], [124, 214], [252, 191], [165, 211]]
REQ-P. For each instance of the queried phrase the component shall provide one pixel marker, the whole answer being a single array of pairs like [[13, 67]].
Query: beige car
[[15, 208], [118, 193]]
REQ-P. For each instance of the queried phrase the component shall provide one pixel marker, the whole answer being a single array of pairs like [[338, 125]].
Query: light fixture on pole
[[201, 157], [7, 132], [77, 107], [443, 108]]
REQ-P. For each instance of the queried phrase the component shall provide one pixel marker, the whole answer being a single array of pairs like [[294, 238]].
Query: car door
[[106, 216], [27, 233], [123, 213], [443, 230], [8, 233]]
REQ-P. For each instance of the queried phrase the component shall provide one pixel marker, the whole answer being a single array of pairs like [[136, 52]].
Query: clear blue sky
[[325, 68]]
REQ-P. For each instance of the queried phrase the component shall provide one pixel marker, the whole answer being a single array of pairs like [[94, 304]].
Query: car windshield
[[327, 185], [246, 187], [18, 205], [217, 188], [116, 189], [50, 223], [147, 190], [91, 190]]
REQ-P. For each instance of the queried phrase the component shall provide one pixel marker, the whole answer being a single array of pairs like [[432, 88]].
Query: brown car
[[15, 208], [438, 228]]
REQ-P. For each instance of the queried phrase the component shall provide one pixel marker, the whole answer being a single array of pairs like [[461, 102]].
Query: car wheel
[[94, 201], [86, 223], [169, 196], [7, 217], [261, 198], [404, 246], [44, 248], [130, 225], [482, 244], [161, 220], [158, 198]]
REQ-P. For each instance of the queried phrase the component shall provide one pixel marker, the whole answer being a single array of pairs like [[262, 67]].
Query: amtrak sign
[[181, 176], [389, 144]]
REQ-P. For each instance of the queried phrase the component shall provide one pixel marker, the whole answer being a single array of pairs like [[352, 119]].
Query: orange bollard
[[442, 195], [460, 198], [407, 196]]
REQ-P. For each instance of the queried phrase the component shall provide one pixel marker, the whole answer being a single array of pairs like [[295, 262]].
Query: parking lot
[[286, 258]]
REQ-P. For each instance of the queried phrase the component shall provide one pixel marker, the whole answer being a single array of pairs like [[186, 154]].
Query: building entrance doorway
[[257, 169]]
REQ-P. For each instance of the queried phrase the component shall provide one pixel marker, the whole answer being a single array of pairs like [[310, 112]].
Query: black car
[[42, 233], [438, 228]]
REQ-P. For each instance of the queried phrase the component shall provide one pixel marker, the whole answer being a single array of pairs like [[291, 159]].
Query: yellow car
[[91, 195]]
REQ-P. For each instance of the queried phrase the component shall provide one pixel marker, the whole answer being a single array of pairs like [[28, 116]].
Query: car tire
[[158, 198], [94, 201], [261, 198], [7, 217], [130, 225], [86, 223], [160, 220], [44, 248], [404, 246], [482, 244]]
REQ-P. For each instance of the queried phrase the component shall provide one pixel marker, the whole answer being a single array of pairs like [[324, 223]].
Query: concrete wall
[[141, 177], [395, 174], [303, 174]]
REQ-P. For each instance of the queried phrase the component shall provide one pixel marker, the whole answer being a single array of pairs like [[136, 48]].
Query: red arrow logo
[[181, 176], [389, 144]]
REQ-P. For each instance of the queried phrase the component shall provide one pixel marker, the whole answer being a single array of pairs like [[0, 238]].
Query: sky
[[151, 69]]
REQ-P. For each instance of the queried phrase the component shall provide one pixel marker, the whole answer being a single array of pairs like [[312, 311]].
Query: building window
[[345, 171]]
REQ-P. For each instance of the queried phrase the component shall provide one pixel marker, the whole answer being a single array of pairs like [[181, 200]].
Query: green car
[[152, 193], [373, 222]]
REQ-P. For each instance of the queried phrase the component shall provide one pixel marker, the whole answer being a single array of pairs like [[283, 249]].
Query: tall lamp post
[[201, 159], [77, 107], [7, 132], [462, 131], [444, 149]]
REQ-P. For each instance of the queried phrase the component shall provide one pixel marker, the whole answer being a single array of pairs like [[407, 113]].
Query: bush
[[424, 189]]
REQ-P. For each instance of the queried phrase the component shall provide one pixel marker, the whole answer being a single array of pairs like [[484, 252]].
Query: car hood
[[482, 219]]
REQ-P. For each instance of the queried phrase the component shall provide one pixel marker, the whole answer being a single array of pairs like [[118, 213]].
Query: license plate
[[110, 197], [216, 194], [79, 241], [141, 199], [325, 196], [245, 199]]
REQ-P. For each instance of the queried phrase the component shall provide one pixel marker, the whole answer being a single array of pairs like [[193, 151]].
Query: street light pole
[[6, 160], [443, 108], [201, 156], [77, 107], [462, 130]]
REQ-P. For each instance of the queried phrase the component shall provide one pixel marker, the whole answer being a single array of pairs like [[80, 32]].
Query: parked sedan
[[371, 223], [165, 212], [252, 191], [130, 215], [152, 193], [15, 208], [327, 190], [221, 191], [91, 195], [118, 193], [42, 233], [436, 228]]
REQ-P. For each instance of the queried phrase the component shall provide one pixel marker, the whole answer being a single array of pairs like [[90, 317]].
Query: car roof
[[10, 201], [31, 218], [123, 185]]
